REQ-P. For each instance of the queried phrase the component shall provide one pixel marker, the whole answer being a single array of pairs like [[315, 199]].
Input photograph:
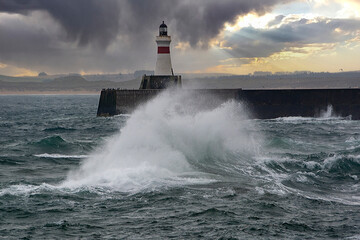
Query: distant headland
[[92, 84]]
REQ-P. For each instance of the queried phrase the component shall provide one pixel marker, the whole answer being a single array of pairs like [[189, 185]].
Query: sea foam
[[48, 155], [168, 141]]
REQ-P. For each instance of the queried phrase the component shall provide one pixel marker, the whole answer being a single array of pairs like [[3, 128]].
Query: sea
[[174, 170]]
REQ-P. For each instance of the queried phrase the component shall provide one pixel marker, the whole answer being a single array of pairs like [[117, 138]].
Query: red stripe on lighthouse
[[163, 50]]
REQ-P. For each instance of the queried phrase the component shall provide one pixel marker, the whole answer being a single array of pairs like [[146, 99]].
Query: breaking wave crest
[[327, 114], [172, 140], [48, 155]]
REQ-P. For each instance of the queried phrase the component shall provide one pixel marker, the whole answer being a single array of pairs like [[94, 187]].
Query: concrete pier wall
[[107, 103], [128, 100], [263, 104], [266, 104]]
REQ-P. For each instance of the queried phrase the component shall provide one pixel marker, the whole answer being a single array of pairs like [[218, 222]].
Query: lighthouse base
[[160, 82]]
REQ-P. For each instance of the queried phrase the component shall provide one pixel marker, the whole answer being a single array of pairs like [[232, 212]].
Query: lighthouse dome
[[163, 29]]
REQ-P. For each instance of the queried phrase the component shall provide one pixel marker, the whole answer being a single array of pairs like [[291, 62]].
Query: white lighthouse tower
[[163, 62], [164, 75]]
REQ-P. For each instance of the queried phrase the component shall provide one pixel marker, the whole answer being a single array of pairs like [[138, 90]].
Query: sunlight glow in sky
[[326, 56]]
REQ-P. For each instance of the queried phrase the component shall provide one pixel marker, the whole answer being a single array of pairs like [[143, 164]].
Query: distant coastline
[[49, 92], [80, 85]]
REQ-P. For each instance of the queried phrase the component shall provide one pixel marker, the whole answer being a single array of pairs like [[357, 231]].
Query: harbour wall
[[262, 104]]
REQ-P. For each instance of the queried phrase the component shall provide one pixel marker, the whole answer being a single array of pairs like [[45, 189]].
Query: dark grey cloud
[[250, 42], [110, 34], [83, 20], [276, 21], [100, 21], [197, 21]]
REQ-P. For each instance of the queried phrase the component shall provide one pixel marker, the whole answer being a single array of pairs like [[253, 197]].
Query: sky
[[208, 36]]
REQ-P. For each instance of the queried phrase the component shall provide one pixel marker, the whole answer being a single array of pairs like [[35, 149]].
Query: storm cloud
[[101, 21], [250, 42], [115, 35], [83, 20]]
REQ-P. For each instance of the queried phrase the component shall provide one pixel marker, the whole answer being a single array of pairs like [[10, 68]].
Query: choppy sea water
[[171, 170]]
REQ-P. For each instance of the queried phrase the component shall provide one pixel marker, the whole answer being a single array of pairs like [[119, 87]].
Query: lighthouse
[[164, 75], [163, 62]]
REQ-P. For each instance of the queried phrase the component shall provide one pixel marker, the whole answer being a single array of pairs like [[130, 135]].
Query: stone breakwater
[[262, 104]]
